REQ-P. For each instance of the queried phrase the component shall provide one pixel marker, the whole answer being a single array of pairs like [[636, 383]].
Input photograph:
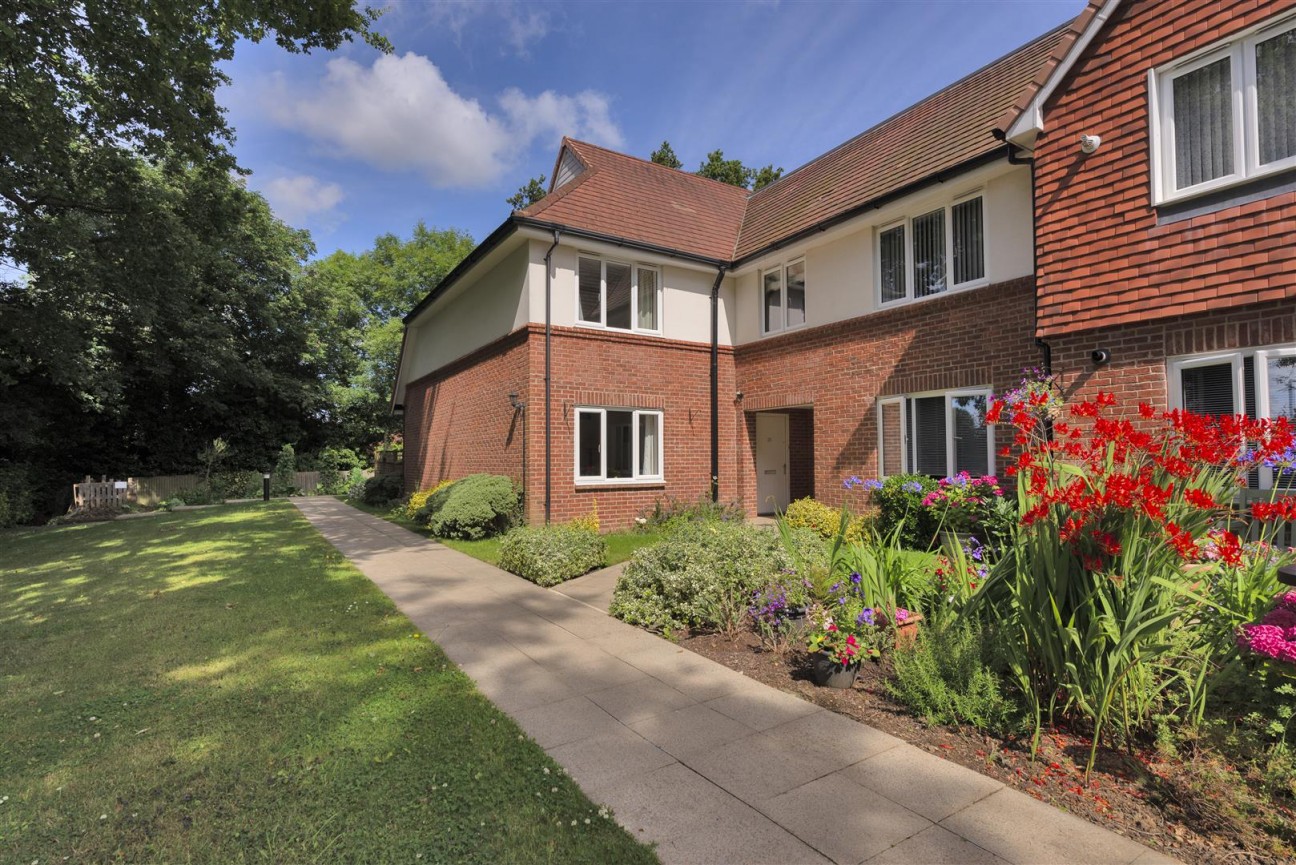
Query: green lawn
[[620, 545], [222, 686]]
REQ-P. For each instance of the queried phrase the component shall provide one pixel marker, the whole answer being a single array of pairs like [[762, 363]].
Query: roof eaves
[[994, 154], [496, 237], [617, 240], [1028, 121]]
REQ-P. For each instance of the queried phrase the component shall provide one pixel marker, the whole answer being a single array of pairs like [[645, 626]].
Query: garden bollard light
[[265, 486]]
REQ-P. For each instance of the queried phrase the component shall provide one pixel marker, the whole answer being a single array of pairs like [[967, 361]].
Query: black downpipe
[[548, 433], [1046, 350], [715, 384]]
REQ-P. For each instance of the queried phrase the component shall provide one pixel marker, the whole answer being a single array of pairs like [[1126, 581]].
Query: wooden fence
[[150, 491]]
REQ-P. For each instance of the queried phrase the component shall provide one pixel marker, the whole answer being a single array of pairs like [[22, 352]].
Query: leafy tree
[[733, 172], [528, 194], [83, 81], [665, 155], [362, 298], [765, 176]]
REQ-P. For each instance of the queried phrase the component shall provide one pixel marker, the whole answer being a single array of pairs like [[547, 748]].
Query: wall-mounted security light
[[1100, 356], [738, 396], [515, 402], [1090, 143]]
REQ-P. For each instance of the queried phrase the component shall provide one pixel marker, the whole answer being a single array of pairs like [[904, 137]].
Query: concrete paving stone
[[935, 846], [834, 739], [1154, 857], [700, 678], [844, 821], [566, 721], [756, 767], [1025, 831], [761, 707], [596, 760], [627, 641], [588, 624], [640, 699], [594, 589], [699, 824], [691, 731], [515, 687], [594, 670], [922, 782]]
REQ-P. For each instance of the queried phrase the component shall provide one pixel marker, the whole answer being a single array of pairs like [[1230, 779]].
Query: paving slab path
[[710, 765]]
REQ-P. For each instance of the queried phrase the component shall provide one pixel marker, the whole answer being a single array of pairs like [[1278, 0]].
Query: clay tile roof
[[946, 129], [641, 201]]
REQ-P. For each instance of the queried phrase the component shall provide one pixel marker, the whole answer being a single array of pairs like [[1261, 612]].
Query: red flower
[[1200, 499], [995, 412]]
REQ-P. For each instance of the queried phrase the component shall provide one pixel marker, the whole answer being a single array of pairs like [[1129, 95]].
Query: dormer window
[[1226, 115]]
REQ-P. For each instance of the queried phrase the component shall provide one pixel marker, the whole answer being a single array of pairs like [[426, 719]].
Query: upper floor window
[[783, 297], [933, 252], [939, 434], [1227, 115], [618, 295]]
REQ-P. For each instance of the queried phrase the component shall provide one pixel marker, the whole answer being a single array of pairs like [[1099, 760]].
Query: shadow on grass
[[224, 686]]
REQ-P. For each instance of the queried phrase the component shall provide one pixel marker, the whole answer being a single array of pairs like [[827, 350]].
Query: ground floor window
[[937, 434], [618, 444], [1253, 382]]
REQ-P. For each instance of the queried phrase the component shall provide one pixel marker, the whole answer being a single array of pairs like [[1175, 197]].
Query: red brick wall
[[458, 420], [965, 339], [1103, 260], [1137, 372], [594, 368]]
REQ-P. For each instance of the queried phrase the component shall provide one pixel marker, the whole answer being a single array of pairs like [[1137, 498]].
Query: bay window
[[618, 445], [618, 295], [1226, 115], [939, 434], [932, 252]]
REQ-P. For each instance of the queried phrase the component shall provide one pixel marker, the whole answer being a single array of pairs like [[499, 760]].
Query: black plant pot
[[827, 674]]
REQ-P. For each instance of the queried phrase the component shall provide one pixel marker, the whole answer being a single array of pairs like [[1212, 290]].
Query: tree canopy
[[733, 172], [665, 155], [528, 193]]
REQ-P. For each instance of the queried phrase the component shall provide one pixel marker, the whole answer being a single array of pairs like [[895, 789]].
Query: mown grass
[[222, 686], [620, 545]]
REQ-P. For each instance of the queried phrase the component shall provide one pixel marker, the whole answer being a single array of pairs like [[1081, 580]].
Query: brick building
[[666, 335]]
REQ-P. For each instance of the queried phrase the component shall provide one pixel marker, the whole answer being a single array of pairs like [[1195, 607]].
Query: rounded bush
[[822, 519], [478, 506], [549, 555], [900, 501], [703, 576], [380, 490]]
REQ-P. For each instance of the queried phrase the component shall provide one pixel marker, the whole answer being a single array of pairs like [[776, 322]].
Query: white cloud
[[523, 25], [295, 198], [401, 114], [525, 28]]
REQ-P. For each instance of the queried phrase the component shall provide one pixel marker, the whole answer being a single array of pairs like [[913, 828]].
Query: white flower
[[546, 770]]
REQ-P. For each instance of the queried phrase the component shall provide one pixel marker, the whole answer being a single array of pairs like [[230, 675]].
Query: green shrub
[[549, 555], [667, 514], [380, 490], [17, 496], [823, 519], [414, 506], [236, 485], [703, 576], [900, 501], [476, 507], [434, 502], [944, 678], [283, 482]]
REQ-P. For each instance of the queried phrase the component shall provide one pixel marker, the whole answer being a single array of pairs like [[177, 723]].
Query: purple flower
[[855, 578], [852, 482], [912, 487], [865, 617]]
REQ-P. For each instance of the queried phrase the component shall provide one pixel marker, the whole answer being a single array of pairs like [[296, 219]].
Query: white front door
[[771, 462]]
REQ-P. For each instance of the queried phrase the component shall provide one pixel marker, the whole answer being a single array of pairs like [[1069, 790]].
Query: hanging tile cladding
[[969, 339], [1103, 259]]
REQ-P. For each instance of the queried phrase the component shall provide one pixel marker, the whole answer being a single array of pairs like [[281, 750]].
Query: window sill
[[957, 289], [602, 328], [768, 333], [614, 483], [1233, 195]]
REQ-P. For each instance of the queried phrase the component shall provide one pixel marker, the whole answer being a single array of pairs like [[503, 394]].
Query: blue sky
[[477, 95]]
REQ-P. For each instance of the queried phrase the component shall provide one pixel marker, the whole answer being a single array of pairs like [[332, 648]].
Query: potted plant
[[838, 650]]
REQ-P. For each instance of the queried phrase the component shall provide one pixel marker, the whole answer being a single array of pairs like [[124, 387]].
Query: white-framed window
[[1225, 115], [1258, 382], [938, 434], [618, 295], [783, 297], [618, 445], [938, 250]]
